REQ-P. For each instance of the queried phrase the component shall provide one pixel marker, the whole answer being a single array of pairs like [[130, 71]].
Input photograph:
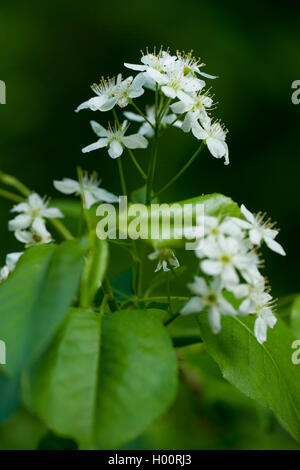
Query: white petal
[[20, 222], [248, 215], [229, 276], [104, 196], [115, 149], [51, 213], [67, 186], [211, 267], [255, 236], [169, 91], [274, 246], [4, 273], [22, 207], [94, 104], [99, 130], [23, 236], [89, 199], [39, 227], [226, 307], [194, 305], [247, 307], [156, 76], [199, 132], [95, 146], [199, 286], [214, 318], [133, 116], [179, 107], [12, 259], [135, 141], [216, 147], [260, 330], [135, 66], [35, 201], [207, 75], [138, 81], [108, 104]]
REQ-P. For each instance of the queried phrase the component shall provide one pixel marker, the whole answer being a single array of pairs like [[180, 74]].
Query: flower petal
[[194, 305], [135, 141], [274, 246], [95, 146], [115, 149], [67, 186], [20, 222]]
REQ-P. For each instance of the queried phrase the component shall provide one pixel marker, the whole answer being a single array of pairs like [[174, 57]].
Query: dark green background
[[52, 51]]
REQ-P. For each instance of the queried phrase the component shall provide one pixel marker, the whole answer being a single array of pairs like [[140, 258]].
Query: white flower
[[37, 234], [265, 317], [165, 257], [105, 99], [192, 65], [146, 129], [209, 297], [253, 294], [129, 89], [260, 230], [153, 65], [115, 140], [29, 211], [214, 136], [90, 189], [113, 91], [195, 109], [226, 255], [175, 84], [11, 261]]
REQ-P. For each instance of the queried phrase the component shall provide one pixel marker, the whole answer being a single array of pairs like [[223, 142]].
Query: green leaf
[[94, 270], [295, 317], [214, 204], [10, 400], [103, 381], [35, 299], [22, 432], [263, 372]]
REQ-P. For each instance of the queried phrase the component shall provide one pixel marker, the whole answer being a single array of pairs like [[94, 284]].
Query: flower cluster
[[230, 264], [29, 225], [182, 102]]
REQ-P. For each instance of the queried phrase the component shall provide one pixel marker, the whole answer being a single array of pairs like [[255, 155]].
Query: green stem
[[162, 299], [61, 229], [172, 319], [10, 196], [164, 109], [139, 168], [186, 166], [141, 113], [10, 180], [122, 178], [107, 289], [169, 294]]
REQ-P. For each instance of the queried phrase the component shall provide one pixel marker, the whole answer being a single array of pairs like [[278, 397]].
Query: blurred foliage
[[51, 52]]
